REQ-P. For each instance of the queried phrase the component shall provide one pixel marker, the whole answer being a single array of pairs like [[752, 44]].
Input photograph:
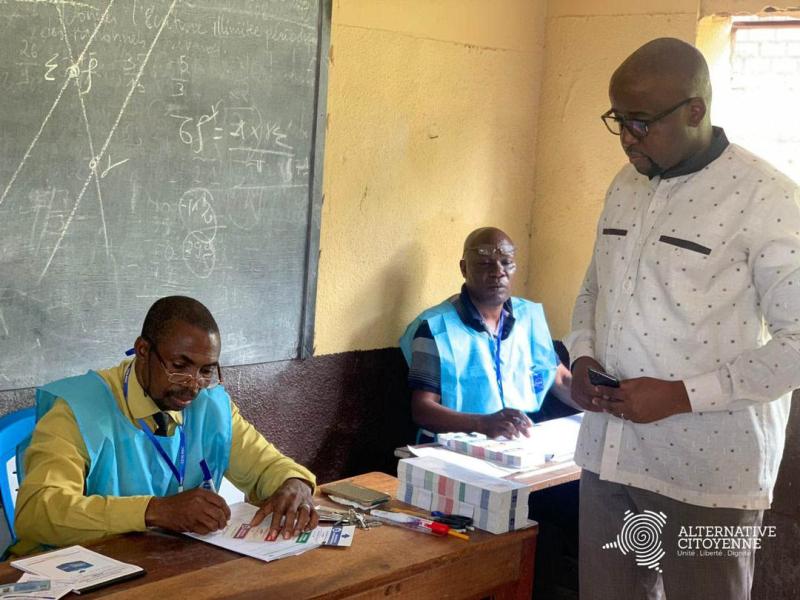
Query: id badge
[[538, 381]]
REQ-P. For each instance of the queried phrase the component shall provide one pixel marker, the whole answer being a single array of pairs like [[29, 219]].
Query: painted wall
[[577, 157], [433, 110]]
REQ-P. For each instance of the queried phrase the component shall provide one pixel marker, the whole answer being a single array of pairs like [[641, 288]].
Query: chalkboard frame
[[315, 194]]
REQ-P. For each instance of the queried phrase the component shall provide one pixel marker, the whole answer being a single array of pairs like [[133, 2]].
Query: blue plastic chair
[[15, 429]]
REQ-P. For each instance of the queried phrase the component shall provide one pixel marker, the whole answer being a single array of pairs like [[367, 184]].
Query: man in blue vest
[[482, 359], [146, 443]]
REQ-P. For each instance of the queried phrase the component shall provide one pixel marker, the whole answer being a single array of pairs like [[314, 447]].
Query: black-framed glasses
[[203, 381], [638, 128]]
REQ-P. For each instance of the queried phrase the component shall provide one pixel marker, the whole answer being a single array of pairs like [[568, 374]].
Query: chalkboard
[[151, 148]]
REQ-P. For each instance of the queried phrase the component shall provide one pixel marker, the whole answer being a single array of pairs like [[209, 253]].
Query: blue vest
[[122, 460], [528, 360]]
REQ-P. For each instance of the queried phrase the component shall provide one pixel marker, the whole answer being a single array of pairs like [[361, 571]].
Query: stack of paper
[[513, 453], [549, 441], [496, 505]]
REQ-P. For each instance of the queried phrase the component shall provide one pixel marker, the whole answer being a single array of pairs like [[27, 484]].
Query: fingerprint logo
[[641, 534]]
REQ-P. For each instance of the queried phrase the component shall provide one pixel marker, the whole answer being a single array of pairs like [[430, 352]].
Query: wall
[[433, 111], [577, 157], [431, 133]]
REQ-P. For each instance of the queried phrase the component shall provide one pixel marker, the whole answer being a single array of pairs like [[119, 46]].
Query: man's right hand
[[582, 389], [196, 511], [509, 422]]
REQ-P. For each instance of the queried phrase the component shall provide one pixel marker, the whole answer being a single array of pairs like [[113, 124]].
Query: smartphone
[[604, 379], [356, 493]]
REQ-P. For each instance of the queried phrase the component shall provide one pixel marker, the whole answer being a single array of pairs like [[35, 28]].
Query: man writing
[[691, 299], [481, 360], [120, 449]]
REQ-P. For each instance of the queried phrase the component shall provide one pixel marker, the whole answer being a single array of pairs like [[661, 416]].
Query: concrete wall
[[577, 157], [433, 110]]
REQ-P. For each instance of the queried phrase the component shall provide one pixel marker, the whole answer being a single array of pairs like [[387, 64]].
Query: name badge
[[538, 381]]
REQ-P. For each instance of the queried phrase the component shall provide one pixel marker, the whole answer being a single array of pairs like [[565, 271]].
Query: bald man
[[691, 300], [481, 360]]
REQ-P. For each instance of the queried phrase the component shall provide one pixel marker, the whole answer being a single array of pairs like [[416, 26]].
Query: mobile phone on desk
[[604, 379], [355, 493]]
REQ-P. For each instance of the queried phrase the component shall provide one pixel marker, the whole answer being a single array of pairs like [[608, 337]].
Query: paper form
[[239, 537]]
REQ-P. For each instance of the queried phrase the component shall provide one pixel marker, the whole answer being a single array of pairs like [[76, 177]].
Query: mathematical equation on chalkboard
[[151, 148]]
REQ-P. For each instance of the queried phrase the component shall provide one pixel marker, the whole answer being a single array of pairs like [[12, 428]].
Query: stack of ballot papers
[[73, 569], [551, 441], [496, 505], [238, 536]]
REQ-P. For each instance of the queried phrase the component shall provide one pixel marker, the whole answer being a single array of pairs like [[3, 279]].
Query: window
[[764, 89]]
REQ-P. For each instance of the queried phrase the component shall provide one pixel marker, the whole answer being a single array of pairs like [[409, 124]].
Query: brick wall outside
[[765, 85]]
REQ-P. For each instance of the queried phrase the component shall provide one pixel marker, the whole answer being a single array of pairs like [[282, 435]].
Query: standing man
[[120, 449], [692, 300]]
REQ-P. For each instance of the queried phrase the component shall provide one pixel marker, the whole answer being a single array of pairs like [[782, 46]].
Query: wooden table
[[382, 562], [550, 475]]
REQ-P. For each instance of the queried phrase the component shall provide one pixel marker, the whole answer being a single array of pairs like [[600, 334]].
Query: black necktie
[[161, 420]]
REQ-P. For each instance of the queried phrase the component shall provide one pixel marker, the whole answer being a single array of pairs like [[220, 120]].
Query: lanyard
[[497, 371], [178, 471]]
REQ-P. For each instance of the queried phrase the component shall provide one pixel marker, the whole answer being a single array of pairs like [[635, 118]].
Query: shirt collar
[[140, 404], [719, 141], [471, 317]]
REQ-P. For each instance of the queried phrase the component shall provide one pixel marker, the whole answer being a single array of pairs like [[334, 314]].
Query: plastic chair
[[15, 429]]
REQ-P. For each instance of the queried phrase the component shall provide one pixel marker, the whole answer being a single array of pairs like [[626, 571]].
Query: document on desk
[[549, 442], [239, 537], [58, 589], [82, 569]]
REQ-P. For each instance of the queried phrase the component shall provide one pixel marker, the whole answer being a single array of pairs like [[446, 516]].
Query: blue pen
[[208, 481]]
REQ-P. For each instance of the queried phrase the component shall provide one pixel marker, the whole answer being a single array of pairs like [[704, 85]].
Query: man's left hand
[[292, 509], [643, 400]]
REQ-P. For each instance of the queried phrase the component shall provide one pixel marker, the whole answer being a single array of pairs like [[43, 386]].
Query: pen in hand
[[208, 481]]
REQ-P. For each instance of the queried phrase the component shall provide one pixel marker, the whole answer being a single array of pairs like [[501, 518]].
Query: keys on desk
[[346, 517]]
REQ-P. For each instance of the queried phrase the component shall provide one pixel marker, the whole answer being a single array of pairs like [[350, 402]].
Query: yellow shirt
[[52, 508]]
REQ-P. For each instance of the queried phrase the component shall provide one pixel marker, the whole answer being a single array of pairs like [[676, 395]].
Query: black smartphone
[[598, 378]]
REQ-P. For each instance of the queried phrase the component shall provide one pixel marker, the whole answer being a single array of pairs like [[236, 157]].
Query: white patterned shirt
[[696, 278]]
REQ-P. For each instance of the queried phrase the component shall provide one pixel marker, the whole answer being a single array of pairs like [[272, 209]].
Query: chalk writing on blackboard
[[152, 147]]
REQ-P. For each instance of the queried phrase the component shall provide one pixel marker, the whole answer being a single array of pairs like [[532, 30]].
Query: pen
[[415, 523], [208, 481], [409, 522], [413, 513]]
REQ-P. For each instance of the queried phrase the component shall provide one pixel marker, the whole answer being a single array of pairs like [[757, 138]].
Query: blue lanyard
[[178, 471], [497, 371]]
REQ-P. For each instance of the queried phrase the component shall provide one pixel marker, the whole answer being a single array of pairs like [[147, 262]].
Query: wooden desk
[[550, 475], [383, 562]]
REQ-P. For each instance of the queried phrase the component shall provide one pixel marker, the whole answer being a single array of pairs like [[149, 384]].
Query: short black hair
[[169, 309]]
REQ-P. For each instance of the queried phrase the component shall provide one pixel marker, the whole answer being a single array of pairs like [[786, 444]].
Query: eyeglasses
[[638, 128], [489, 254], [203, 381], [506, 250]]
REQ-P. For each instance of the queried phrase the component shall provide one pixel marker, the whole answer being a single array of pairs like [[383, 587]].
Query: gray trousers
[[608, 574]]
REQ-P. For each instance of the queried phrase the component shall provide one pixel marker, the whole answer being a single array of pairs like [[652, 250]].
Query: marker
[[208, 481]]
